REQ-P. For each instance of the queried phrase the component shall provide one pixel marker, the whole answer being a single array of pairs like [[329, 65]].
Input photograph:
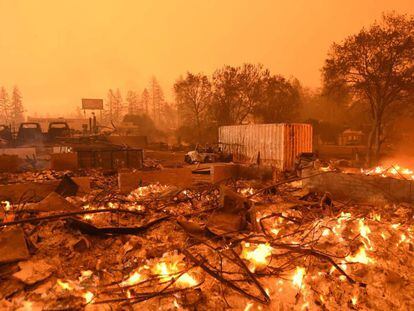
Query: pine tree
[[157, 100], [133, 103], [16, 108], [145, 101], [118, 107], [4, 106]]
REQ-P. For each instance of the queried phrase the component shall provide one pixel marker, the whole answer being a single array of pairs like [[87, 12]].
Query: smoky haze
[[60, 51]]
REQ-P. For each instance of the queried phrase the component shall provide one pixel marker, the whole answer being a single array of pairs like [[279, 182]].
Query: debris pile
[[245, 245]]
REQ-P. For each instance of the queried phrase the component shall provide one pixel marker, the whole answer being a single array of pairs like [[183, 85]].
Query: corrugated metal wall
[[278, 144]]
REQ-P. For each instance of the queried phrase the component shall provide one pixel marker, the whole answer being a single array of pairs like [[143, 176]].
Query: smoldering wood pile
[[245, 245]]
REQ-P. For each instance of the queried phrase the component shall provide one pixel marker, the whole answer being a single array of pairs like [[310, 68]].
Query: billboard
[[92, 104]]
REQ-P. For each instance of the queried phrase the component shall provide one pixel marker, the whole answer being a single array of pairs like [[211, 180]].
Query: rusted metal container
[[275, 144]]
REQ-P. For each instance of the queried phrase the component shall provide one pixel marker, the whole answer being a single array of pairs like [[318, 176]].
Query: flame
[[64, 285], [146, 191], [364, 230], [6, 205], [359, 257], [298, 276], [258, 256], [89, 296], [390, 171], [134, 278], [167, 271]]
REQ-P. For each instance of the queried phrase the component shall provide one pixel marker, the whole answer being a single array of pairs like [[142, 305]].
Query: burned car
[[6, 136], [57, 130], [29, 132], [207, 155]]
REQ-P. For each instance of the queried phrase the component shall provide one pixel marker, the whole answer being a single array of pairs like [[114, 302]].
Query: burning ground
[[246, 245]]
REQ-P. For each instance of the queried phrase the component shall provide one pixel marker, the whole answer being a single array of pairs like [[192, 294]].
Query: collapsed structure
[[166, 235]]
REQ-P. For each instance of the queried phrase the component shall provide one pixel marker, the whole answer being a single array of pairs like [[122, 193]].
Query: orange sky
[[60, 51]]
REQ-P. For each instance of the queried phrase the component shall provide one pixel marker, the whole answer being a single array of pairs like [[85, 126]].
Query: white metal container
[[275, 144]]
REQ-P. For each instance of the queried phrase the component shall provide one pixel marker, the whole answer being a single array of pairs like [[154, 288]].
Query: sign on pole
[[92, 104]]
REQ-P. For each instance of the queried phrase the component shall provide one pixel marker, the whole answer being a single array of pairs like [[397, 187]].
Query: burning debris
[[247, 245]]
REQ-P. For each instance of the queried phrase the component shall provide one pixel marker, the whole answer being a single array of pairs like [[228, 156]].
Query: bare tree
[[236, 91], [193, 95], [377, 65], [280, 100], [114, 106]]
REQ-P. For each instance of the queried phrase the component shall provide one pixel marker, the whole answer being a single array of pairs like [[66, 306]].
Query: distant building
[[351, 138], [74, 123]]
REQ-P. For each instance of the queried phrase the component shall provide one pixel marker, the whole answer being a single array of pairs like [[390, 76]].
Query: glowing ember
[[360, 257], [6, 205], [326, 232], [88, 217], [88, 297], [146, 191], [354, 300], [275, 231], [249, 306], [258, 256], [175, 303], [246, 191], [376, 217], [64, 285], [85, 275], [298, 276]]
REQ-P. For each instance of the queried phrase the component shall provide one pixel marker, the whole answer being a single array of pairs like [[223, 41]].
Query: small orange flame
[[359, 257], [298, 276], [257, 256]]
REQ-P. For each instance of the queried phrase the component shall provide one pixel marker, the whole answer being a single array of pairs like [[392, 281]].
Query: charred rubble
[[247, 243]]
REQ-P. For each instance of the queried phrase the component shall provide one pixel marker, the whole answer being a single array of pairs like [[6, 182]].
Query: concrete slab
[[35, 192], [52, 203], [361, 188], [12, 245], [26, 192]]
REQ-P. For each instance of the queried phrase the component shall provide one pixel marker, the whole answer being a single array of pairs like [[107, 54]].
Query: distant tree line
[[11, 107], [150, 102], [233, 95]]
